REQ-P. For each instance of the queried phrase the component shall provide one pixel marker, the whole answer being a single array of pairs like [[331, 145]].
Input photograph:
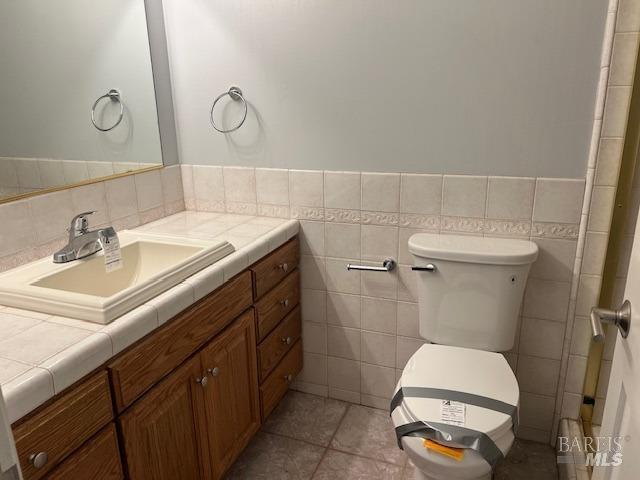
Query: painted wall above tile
[[506, 88]]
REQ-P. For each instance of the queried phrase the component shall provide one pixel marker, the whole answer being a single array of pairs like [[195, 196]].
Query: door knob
[[621, 318]]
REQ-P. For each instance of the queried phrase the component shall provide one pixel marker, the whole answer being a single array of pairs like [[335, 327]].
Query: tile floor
[[310, 437]]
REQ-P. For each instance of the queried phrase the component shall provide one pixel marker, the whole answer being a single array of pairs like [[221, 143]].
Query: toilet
[[469, 290]]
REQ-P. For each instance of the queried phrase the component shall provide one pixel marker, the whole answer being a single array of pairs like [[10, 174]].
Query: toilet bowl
[[474, 372], [470, 291]]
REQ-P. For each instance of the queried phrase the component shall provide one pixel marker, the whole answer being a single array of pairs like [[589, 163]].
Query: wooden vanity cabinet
[[164, 433], [231, 396], [183, 402]]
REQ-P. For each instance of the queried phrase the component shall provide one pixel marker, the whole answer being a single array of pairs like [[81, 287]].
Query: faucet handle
[[80, 224]]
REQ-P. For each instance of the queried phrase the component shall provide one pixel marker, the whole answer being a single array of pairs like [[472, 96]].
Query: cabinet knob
[[38, 460], [202, 381], [288, 378], [285, 302], [286, 340], [214, 371], [284, 267]]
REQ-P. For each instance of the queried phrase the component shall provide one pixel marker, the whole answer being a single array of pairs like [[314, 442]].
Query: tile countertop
[[41, 355]]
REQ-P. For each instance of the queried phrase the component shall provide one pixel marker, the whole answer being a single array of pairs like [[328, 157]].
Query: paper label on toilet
[[112, 255], [453, 413]]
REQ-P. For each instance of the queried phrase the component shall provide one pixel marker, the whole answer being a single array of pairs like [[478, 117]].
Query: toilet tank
[[473, 296]]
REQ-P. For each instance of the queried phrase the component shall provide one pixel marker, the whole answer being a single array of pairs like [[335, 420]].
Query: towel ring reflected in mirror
[[236, 95], [114, 96]]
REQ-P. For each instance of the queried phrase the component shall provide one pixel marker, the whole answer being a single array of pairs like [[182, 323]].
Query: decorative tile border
[[555, 230], [462, 225], [414, 220], [338, 215], [275, 211], [307, 213], [242, 208], [507, 228], [380, 218]]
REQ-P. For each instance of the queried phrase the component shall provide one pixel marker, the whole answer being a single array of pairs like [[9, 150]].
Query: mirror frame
[[158, 48]]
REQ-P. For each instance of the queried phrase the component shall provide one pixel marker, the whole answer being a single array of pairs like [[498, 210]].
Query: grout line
[[324, 454]]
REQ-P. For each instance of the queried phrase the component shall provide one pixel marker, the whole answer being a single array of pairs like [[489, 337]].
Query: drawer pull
[[288, 378], [203, 381], [287, 340], [214, 371], [284, 267], [38, 460], [285, 302]]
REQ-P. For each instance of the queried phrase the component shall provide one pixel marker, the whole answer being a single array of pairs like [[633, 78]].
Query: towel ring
[[114, 96], [236, 95]]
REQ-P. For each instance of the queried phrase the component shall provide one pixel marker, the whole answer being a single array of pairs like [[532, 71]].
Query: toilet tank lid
[[466, 248]]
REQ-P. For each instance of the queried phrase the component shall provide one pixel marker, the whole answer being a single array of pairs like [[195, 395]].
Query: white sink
[[83, 289]]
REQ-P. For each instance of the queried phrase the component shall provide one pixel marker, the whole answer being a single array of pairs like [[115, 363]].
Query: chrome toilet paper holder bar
[[387, 265]]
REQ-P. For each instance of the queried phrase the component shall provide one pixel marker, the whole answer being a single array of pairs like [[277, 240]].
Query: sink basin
[[85, 290]]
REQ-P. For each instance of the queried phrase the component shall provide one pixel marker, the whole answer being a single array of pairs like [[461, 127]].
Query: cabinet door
[[231, 398], [164, 432]]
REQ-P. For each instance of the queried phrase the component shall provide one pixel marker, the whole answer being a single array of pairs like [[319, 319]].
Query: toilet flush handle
[[429, 267]]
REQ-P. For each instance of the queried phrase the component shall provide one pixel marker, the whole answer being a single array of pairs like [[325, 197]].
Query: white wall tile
[[306, 188], [538, 375], [88, 198], [344, 374], [208, 186], [342, 240], [239, 184], [272, 186], [576, 369], [121, 197], [407, 323], [149, 190], [601, 211], [314, 369], [314, 305], [314, 337], [379, 243], [378, 348], [558, 200], [464, 195], [510, 198], [17, 227], [616, 110], [546, 300], [541, 338], [421, 193], [312, 238], [378, 380], [339, 279], [343, 310], [51, 214], [405, 348], [555, 259], [343, 342], [342, 190], [381, 192], [536, 411], [379, 315]]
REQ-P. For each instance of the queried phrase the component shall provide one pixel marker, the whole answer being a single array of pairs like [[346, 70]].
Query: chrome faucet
[[82, 241]]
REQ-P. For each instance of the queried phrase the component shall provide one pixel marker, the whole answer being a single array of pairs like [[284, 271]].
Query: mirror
[[77, 93]]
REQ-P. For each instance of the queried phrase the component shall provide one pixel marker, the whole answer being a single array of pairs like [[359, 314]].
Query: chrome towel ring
[[236, 95], [114, 96]]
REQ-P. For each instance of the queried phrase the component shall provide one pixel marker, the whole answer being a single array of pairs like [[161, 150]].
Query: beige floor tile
[[368, 432], [306, 417], [342, 466], [528, 461], [272, 457]]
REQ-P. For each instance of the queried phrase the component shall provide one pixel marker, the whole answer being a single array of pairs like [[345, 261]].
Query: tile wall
[[617, 71], [36, 227], [26, 175], [360, 328]]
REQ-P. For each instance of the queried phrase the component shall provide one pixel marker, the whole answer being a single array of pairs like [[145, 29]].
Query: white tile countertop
[[41, 355]]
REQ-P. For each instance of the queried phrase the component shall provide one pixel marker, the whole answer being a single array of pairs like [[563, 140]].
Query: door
[[621, 420], [164, 432], [231, 397]]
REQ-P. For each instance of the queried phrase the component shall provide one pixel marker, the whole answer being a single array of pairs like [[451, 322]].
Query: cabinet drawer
[[98, 459], [278, 343], [277, 384], [145, 364], [64, 425], [269, 271], [276, 304]]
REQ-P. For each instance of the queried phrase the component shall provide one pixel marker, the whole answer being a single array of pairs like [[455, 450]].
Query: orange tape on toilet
[[455, 453]]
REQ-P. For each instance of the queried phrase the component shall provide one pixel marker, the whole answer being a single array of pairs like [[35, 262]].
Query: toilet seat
[[457, 369], [475, 372]]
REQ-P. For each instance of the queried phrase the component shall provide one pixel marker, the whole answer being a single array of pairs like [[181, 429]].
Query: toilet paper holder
[[387, 266]]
